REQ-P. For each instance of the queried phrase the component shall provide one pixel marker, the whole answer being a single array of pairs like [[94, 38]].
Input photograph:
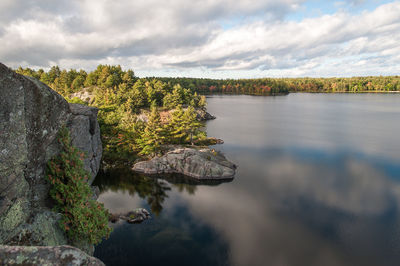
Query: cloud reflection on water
[[276, 216]]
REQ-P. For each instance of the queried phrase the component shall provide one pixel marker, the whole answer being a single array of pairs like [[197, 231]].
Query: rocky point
[[202, 164]]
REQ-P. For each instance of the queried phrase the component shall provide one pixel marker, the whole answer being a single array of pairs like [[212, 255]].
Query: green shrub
[[82, 217], [76, 100]]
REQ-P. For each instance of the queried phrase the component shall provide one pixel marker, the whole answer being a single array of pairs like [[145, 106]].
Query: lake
[[318, 183]]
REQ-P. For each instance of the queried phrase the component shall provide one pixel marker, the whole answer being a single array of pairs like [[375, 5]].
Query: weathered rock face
[[31, 115], [201, 164], [85, 135], [36, 255]]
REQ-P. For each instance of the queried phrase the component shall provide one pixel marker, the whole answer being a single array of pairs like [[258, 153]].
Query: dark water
[[318, 184]]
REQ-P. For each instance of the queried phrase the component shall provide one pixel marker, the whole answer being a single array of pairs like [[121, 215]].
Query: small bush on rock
[[82, 217]]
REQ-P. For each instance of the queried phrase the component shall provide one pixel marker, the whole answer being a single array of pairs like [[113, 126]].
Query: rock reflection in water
[[154, 189]]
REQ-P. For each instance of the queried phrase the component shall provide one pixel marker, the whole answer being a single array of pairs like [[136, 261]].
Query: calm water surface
[[318, 184]]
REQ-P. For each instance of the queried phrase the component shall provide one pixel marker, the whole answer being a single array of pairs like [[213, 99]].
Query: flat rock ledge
[[46, 255], [203, 164]]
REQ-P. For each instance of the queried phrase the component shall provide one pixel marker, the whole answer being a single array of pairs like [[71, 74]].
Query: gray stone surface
[[201, 164], [85, 135], [38, 255], [31, 115], [41, 230]]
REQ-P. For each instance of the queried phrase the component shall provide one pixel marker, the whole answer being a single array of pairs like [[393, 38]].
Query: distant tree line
[[274, 86], [104, 76]]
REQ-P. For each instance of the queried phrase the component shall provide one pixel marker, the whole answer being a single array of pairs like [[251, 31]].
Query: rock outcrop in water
[[31, 115], [136, 216], [204, 164], [203, 115], [37, 255]]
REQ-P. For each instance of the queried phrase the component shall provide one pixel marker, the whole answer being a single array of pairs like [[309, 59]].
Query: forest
[[138, 117], [141, 116]]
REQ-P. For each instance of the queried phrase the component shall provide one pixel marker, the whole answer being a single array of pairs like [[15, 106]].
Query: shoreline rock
[[133, 217], [203, 115], [202, 164]]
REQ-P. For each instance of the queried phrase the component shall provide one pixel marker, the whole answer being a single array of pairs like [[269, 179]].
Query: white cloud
[[154, 35]]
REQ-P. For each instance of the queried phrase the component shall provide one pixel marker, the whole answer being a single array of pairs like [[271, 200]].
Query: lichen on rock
[[38, 255]]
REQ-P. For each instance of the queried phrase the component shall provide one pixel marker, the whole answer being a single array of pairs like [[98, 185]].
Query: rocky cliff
[[31, 115]]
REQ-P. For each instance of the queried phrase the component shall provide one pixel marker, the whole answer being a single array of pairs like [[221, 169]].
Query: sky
[[207, 38]]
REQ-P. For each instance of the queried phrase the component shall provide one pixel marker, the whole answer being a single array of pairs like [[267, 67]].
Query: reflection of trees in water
[[189, 185], [184, 187], [152, 188], [157, 195]]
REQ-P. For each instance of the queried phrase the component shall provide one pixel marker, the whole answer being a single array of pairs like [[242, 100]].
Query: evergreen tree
[[77, 84], [54, 73], [202, 102], [177, 97], [153, 135], [155, 90], [190, 123], [175, 127], [138, 95], [129, 78], [91, 79]]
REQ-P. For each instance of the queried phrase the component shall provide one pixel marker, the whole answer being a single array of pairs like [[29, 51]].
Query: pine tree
[[138, 94], [175, 127], [190, 123], [202, 102], [183, 126], [153, 135]]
